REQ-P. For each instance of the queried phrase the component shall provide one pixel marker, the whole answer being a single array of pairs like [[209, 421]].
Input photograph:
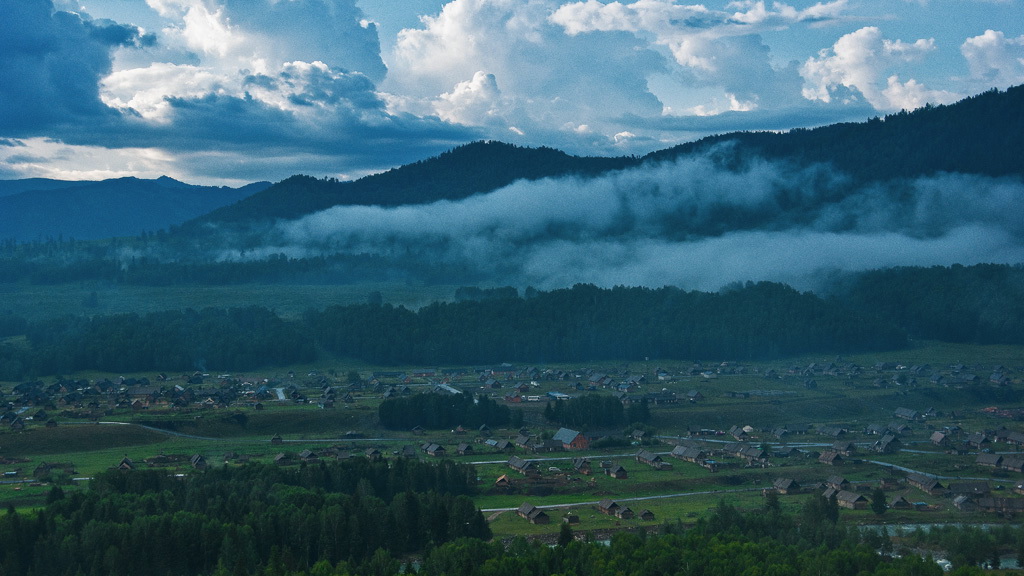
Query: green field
[[287, 300], [744, 398]]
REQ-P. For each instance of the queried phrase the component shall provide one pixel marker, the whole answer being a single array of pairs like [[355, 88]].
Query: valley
[[788, 412]]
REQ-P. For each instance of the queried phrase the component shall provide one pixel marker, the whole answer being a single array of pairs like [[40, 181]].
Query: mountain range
[[983, 134], [38, 209], [940, 185]]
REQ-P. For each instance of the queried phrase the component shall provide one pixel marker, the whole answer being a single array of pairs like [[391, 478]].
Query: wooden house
[[571, 439], [830, 457], [533, 514], [582, 466], [523, 466], [650, 458], [617, 472], [786, 486], [607, 506], [927, 484], [989, 460], [900, 502]]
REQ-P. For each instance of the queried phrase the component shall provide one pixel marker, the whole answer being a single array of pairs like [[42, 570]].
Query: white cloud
[[45, 158], [688, 223], [591, 63], [474, 102], [688, 31], [859, 61], [994, 59], [911, 94], [296, 56], [503, 63], [145, 90]]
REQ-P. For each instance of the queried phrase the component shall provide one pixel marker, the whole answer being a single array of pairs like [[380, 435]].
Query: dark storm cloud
[[51, 63]]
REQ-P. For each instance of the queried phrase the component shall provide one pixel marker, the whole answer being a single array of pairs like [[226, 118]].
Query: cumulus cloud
[[293, 79], [50, 66], [575, 74], [688, 30], [262, 35], [994, 59], [859, 61], [550, 83], [691, 223], [722, 48]]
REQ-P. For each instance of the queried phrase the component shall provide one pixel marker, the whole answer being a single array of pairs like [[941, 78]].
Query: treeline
[[127, 524], [72, 262], [586, 323], [258, 519], [982, 134], [596, 411], [580, 324], [864, 312], [437, 411], [982, 304], [212, 338]]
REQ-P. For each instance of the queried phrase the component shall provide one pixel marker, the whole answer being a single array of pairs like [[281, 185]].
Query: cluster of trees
[[357, 518], [251, 520], [966, 545], [596, 411], [64, 262], [438, 411], [866, 312], [980, 304], [978, 135], [586, 323], [214, 338]]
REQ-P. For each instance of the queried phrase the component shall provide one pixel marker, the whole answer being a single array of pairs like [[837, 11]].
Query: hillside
[[104, 209], [983, 134], [470, 169]]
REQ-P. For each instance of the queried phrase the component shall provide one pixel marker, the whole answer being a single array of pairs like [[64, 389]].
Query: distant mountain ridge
[[38, 209], [474, 168], [983, 134]]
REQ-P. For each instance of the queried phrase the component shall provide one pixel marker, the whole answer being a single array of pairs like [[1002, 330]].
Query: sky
[[228, 92]]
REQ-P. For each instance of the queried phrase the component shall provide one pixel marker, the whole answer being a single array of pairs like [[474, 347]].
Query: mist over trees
[[875, 310]]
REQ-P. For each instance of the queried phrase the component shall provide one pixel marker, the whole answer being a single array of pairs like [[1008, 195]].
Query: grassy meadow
[[287, 300]]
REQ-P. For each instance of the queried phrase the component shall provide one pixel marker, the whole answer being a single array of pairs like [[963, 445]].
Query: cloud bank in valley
[[690, 223]]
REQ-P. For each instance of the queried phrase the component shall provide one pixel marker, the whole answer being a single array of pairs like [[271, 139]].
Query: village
[[727, 428]]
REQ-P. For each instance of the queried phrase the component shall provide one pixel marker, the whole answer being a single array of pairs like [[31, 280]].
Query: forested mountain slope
[[983, 134], [470, 169]]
